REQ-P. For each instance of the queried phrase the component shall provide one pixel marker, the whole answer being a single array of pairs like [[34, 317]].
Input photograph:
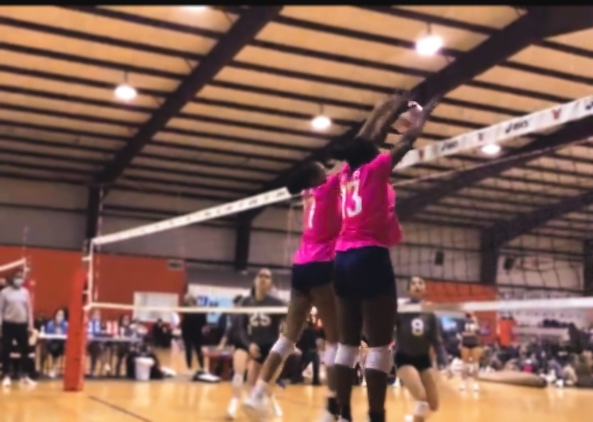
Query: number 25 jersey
[[366, 206]]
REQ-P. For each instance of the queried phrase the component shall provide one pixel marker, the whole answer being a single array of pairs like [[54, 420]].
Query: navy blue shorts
[[311, 275], [364, 273]]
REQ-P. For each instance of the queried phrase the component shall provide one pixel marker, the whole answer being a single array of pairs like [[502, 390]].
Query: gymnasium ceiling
[[225, 99]]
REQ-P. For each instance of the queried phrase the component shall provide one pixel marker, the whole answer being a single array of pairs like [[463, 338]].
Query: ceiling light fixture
[[125, 91], [430, 44], [195, 8], [321, 122], [491, 149]]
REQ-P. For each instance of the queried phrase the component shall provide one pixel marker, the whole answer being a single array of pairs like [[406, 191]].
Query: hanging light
[[491, 149], [125, 91], [321, 121], [430, 44], [195, 8]]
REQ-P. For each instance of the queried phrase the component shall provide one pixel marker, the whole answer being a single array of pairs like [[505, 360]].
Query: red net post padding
[[76, 340]]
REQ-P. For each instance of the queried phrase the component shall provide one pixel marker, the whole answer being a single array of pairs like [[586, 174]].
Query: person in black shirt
[[417, 333], [232, 338], [471, 350], [258, 331], [192, 327]]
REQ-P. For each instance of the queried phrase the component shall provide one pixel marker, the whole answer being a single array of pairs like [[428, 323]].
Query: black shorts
[[311, 275], [469, 345], [420, 362], [237, 345], [264, 351], [364, 273]]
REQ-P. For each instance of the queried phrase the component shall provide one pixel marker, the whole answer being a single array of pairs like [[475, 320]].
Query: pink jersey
[[321, 222], [368, 207], [395, 229]]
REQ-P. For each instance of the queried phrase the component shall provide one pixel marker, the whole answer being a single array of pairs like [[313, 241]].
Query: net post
[[76, 339]]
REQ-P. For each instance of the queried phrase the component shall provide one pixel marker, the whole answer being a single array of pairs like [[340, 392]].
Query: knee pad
[[421, 409], [346, 355], [379, 358], [331, 350], [283, 347]]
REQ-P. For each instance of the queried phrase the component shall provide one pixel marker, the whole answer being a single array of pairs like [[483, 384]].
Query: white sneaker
[[476, 387], [6, 382], [397, 383], [256, 408], [276, 407], [231, 412], [28, 382], [52, 374], [409, 418]]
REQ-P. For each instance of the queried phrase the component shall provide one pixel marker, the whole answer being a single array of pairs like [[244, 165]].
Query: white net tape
[[13, 265], [536, 122], [454, 308]]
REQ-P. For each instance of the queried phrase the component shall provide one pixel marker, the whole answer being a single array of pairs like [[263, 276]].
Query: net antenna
[[535, 122], [14, 266]]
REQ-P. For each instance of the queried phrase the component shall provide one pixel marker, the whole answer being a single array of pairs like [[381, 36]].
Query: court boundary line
[[120, 409]]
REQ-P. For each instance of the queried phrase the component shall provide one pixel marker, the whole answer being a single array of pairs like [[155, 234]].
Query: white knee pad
[[283, 347], [421, 409], [379, 358], [346, 355], [331, 350]]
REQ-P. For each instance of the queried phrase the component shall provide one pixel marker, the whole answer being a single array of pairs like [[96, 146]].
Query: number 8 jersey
[[367, 206]]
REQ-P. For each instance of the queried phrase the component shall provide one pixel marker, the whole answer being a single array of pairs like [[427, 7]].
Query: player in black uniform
[[260, 330], [416, 334], [471, 352], [232, 337]]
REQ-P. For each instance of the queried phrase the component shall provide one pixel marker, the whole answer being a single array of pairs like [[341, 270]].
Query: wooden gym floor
[[181, 400], [168, 401]]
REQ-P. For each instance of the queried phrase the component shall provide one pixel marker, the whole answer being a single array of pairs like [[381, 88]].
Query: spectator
[[55, 347], [161, 334], [16, 320], [192, 330], [307, 354], [122, 349], [95, 348]]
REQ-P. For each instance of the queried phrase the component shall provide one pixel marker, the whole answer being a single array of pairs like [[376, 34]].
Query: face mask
[[17, 282]]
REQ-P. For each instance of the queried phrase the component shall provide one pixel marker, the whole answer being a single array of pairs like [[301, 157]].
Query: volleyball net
[[534, 270], [538, 274]]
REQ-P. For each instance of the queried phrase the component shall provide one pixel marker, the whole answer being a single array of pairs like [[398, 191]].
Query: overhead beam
[[588, 267], [93, 209], [238, 36], [576, 131], [242, 242], [505, 231], [532, 27]]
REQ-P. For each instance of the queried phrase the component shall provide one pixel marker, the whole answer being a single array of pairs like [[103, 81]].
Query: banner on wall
[[535, 317]]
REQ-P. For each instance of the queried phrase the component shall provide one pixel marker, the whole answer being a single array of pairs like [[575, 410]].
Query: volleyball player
[[232, 338], [416, 334], [471, 352], [312, 273], [260, 330], [364, 279]]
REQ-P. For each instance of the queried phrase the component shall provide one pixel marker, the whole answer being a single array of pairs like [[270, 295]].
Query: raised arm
[[406, 143], [376, 127]]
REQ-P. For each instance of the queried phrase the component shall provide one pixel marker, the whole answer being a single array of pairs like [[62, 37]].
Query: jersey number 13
[[351, 199]]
